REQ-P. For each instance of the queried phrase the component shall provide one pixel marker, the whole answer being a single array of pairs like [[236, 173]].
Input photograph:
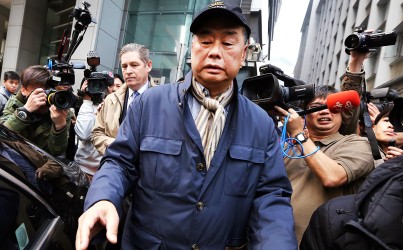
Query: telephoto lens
[[62, 99]]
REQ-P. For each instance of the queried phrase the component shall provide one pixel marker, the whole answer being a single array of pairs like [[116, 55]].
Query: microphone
[[337, 102]]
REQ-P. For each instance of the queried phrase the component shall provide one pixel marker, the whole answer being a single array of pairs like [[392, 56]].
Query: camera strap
[[124, 108], [368, 127]]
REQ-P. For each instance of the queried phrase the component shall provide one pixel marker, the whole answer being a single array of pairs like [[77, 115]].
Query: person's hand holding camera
[[373, 111], [58, 117], [36, 100], [295, 123], [84, 90]]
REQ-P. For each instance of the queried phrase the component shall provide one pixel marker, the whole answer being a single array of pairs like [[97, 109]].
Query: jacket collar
[[121, 92], [186, 84]]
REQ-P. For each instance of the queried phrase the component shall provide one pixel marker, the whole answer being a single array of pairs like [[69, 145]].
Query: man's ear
[[244, 52], [24, 91], [149, 65]]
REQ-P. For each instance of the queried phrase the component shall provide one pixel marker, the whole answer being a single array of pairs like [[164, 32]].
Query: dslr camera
[[62, 74], [266, 91], [364, 41], [98, 82], [385, 98]]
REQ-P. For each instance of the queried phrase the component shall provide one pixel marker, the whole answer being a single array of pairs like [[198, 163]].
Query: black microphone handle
[[73, 42], [308, 111]]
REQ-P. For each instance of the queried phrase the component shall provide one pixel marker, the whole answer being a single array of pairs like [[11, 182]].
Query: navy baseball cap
[[217, 8]]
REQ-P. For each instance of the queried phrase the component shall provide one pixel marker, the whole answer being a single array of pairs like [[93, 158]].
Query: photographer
[[385, 135], [329, 164], [29, 114], [354, 79], [87, 157]]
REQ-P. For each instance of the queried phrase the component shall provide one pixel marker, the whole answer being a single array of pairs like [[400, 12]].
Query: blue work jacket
[[176, 203]]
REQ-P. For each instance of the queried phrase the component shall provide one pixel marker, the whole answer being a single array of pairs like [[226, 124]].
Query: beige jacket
[[107, 121]]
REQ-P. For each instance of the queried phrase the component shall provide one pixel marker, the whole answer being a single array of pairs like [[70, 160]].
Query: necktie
[[131, 98], [211, 119]]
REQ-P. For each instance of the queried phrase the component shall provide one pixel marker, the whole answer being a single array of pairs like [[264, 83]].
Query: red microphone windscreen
[[342, 101]]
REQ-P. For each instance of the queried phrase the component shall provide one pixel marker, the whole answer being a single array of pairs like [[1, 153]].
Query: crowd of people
[[195, 164]]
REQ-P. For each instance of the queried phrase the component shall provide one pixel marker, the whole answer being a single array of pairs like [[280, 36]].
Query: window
[[399, 45], [57, 20], [160, 26]]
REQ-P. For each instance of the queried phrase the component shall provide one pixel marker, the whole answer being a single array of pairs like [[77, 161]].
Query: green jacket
[[42, 133]]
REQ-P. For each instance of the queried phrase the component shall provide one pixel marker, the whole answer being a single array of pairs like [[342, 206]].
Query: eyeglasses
[[314, 105]]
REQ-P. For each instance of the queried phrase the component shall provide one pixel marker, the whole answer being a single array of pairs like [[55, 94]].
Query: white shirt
[[140, 91]]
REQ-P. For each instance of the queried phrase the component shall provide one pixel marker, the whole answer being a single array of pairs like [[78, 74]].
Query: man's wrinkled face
[[218, 50], [322, 122], [135, 71]]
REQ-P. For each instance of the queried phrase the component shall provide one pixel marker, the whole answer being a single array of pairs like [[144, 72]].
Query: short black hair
[[383, 113], [118, 76], [320, 92], [11, 75]]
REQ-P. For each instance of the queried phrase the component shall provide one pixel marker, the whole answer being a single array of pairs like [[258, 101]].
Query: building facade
[[34, 28], [322, 58]]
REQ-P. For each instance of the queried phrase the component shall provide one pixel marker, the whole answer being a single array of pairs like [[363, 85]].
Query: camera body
[[364, 41], [97, 82], [382, 98], [387, 98], [62, 74], [266, 91], [82, 15]]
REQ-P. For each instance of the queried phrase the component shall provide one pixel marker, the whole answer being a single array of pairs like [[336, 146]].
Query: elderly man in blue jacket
[[203, 163]]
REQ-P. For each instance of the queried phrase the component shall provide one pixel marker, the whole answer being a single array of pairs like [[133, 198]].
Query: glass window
[[20, 217], [57, 20], [162, 26]]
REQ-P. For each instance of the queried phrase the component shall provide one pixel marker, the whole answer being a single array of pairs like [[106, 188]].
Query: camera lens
[[62, 99], [96, 86], [352, 41]]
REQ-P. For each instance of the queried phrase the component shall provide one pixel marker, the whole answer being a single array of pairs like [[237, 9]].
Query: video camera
[[98, 82], [365, 41], [382, 98], [82, 15], [385, 98], [266, 91], [62, 74]]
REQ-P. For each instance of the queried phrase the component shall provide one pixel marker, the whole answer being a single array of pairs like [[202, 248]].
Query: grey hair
[[144, 53]]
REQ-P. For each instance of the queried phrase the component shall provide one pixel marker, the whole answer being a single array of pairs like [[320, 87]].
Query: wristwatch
[[301, 137], [23, 114]]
